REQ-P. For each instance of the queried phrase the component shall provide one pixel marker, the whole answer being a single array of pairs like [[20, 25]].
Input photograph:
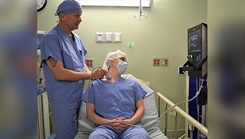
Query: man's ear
[[112, 61], [62, 16]]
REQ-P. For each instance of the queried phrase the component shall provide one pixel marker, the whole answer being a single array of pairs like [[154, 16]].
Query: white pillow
[[149, 121]]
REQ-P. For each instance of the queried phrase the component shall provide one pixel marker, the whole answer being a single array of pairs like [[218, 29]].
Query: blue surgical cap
[[69, 6]]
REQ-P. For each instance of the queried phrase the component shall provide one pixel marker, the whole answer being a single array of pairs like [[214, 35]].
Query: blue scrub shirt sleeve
[[90, 94], [50, 47], [139, 92]]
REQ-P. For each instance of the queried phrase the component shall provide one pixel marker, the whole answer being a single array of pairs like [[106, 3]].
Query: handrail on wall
[[191, 120]]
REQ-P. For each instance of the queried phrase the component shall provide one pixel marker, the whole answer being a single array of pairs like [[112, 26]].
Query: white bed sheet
[[148, 121]]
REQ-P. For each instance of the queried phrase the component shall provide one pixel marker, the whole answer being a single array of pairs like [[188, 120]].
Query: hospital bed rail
[[191, 121]]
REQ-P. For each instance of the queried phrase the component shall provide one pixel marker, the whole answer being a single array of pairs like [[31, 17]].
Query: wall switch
[[108, 37], [99, 37], [117, 36]]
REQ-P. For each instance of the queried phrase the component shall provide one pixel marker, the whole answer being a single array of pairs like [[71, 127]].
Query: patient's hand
[[123, 125], [117, 125], [120, 123]]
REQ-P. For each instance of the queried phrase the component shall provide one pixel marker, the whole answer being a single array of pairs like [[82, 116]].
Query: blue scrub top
[[57, 44], [117, 99]]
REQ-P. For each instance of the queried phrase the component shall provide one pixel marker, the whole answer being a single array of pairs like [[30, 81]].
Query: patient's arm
[[95, 118]]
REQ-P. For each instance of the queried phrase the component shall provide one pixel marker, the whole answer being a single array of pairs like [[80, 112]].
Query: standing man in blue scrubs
[[65, 71], [115, 105]]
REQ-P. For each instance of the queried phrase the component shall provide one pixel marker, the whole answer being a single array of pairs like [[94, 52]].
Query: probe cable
[[196, 95]]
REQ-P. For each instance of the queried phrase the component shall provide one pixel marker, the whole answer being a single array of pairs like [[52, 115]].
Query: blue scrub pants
[[65, 120], [107, 132]]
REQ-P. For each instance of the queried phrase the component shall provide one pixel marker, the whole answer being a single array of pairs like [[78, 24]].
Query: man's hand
[[98, 74], [119, 125]]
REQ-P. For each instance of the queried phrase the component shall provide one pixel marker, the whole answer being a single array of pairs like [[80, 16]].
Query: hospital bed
[[148, 121]]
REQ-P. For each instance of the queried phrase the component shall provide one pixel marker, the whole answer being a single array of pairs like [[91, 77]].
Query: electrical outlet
[[164, 62], [156, 62], [172, 112], [89, 62]]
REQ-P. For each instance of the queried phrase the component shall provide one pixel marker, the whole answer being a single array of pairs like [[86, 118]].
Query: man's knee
[[144, 135], [102, 133], [97, 135], [139, 133], [65, 135]]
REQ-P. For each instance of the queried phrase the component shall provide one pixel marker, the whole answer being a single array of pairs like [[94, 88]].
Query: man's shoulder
[[97, 82], [52, 32], [128, 80]]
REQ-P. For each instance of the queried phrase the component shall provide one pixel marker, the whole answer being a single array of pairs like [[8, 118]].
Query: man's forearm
[[61, 73], [137, 116], [96, 119]]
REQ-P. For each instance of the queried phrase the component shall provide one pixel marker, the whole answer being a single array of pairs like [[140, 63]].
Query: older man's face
[[73, 20]]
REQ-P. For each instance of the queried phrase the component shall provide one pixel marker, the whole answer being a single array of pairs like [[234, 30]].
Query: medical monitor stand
[[196, 67]]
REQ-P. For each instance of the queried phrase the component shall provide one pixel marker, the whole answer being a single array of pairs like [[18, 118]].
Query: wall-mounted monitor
[[197, 50]]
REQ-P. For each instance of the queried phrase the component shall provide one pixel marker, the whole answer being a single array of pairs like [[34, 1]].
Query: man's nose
[[79, 19]]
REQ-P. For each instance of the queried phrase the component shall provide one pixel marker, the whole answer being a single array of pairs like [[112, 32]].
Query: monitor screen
[[194, 41]]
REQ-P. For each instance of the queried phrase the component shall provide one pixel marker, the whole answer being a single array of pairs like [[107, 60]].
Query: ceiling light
[[122, 3]]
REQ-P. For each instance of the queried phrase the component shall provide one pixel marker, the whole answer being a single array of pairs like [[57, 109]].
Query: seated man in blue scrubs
[[115, 105]]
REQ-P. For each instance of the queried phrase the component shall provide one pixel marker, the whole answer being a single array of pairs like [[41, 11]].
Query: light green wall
[[162, 35]]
